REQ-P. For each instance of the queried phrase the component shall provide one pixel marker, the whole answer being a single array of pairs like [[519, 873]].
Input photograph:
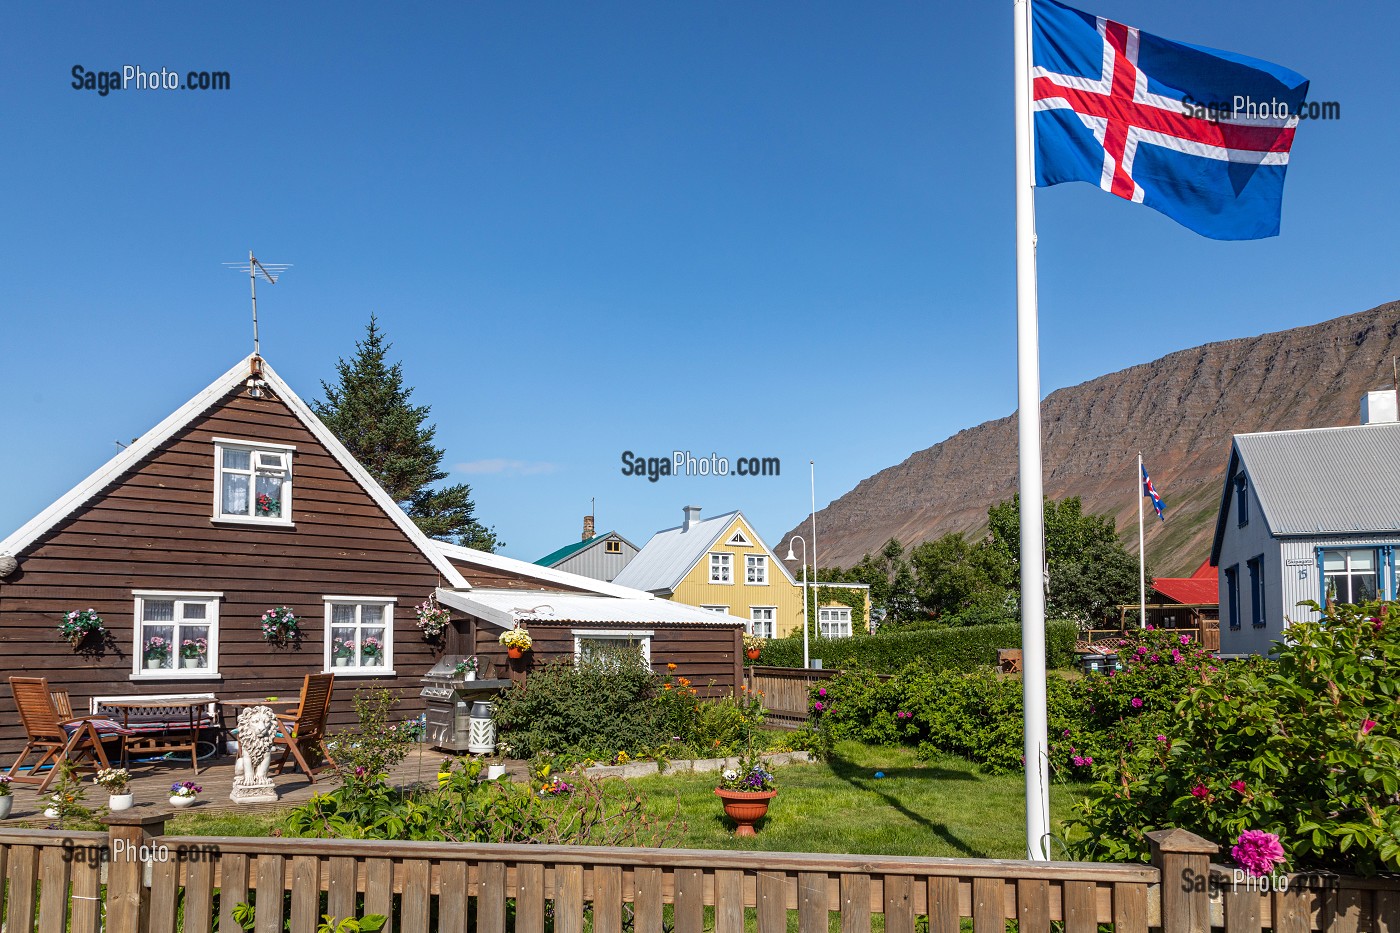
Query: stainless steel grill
[[449, 700]]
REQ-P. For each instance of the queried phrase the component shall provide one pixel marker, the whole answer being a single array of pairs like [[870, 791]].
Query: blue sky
[[779, 229]]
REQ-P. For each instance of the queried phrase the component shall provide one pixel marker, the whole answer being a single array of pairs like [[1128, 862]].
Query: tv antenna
[[270, 271]]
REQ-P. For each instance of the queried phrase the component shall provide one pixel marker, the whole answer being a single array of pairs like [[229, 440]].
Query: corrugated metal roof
[[506, 607], [1326, 480], [664, 560], [554, 557]]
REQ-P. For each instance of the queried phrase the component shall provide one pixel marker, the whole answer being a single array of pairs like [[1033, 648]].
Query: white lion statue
[[257, 725]]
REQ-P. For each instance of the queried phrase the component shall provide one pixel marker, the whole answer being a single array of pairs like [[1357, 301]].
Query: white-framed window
[[1351, 575], [834, 622], [738, 540], [721, 568], [722, 610], [176, 634], [756, 569], [588, 643], [252, 482], [763, 621], [359, 634]]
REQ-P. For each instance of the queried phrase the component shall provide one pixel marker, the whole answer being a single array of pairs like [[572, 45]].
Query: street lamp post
[[806, 662]]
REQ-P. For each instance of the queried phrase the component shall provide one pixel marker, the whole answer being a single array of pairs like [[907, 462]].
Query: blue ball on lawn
[[879, 774]]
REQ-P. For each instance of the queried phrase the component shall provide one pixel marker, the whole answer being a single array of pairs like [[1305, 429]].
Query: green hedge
[[963, 648]]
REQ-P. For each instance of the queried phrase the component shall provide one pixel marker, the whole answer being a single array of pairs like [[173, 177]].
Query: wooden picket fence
[[135, 879], [785, 692]]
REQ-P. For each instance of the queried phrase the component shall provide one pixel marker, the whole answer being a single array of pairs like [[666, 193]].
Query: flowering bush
[[1257, 852], [432, 618], [749, 776], [280, 625], [79, 624], [1300, 749], [185, 789], [194, 648], [114, 780], [156, 649], [517, 638]]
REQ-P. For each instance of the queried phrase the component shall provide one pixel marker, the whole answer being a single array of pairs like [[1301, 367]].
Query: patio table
[[171, 735]]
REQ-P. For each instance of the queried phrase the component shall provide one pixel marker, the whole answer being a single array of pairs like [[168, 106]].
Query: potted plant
[[116, 781], [371, 651], [7, 796], [342, 651], [267, 506], [753, 646], [467, 668], [79, 624], [280, 625], [184, 793], [745, 792], [193, 652], [517, 642], [156, 652], [432, 618]]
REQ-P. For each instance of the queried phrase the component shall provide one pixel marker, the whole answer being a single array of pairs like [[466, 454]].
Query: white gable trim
[[758, 541], [535, 572], [40, 524]]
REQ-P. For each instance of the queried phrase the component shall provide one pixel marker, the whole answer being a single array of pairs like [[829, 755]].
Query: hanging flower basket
[[79, 624], [432, 618], [517, 642], [753, 646], [280, 625]]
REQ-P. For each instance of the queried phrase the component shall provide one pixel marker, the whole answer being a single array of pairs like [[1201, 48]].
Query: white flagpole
[[1142, 552], [1031, 481]]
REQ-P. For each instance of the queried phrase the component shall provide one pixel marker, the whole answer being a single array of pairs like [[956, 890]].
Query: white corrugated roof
[[507, 607], [1326, 480], [533, 571]]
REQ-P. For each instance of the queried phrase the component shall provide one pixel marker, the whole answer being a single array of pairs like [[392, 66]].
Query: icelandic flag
[[1151, 491], [1195, 133]]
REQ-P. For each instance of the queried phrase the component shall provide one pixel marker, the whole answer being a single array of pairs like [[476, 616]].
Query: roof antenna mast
[[271, 271]]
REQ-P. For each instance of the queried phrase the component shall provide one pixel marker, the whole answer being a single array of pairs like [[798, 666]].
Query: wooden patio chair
[[304, 732], [57, 737]]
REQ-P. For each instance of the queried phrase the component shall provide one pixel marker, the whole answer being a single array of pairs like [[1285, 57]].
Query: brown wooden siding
[[152, 530]]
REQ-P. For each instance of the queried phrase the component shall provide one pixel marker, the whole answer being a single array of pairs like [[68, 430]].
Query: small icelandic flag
[[1151, 492]]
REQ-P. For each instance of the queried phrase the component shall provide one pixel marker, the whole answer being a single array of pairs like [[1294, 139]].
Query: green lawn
[[943, 807]]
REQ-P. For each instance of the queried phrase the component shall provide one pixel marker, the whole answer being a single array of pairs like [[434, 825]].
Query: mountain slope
[[1181, 410]]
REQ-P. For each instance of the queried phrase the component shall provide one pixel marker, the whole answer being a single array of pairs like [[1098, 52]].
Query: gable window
[[591, 644], [763, 621], [738, 539], [612, 547], [722, 610], [1232, 594], [756, 568], [1241, 500], [1256, 590], [360, 634], [252, 482], [721, 568], [834, 622], [1351, 576], [177, 634]]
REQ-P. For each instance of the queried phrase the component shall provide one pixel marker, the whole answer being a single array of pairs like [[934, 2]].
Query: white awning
[[507, 607]]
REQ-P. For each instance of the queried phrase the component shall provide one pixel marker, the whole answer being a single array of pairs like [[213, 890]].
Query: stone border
[[636, 769]]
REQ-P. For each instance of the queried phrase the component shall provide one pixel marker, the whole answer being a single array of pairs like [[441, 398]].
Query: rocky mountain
[[1182, 409]]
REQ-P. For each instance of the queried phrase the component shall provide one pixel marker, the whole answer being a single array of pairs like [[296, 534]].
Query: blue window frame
[[1232, 594], [1241, 499], [1256, 590]]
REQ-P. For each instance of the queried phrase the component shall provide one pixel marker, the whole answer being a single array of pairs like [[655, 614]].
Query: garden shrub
[[373, 745], [959, 649], [1304, 748]]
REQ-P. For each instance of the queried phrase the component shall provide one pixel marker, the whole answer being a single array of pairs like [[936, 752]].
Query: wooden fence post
[[129, 841], [1183, 858]]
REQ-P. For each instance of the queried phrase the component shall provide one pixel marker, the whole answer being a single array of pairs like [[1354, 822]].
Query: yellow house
[[721, 564]]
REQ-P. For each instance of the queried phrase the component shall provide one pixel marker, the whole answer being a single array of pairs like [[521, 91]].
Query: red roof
[[1201, 588]]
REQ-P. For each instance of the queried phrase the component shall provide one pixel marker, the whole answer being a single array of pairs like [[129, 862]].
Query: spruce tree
[[369, 411]]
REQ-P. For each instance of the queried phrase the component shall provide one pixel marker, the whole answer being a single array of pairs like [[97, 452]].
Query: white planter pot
[[121, 801], [469, 675], [190, 662], [152, 664], [182, 801], [7, 803], [341, 662], [495, 772]]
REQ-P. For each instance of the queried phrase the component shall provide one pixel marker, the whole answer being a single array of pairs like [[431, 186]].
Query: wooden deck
[[152, 784]]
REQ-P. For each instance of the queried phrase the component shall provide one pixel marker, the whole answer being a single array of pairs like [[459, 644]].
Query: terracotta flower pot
[[745, 807], [514, 653], [753, 654]]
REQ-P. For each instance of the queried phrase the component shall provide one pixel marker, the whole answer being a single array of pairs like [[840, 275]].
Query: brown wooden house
[[240, 502]]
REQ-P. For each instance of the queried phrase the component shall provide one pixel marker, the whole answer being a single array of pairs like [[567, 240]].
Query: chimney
[[587, 527], [692, 516], [1379, 407]]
